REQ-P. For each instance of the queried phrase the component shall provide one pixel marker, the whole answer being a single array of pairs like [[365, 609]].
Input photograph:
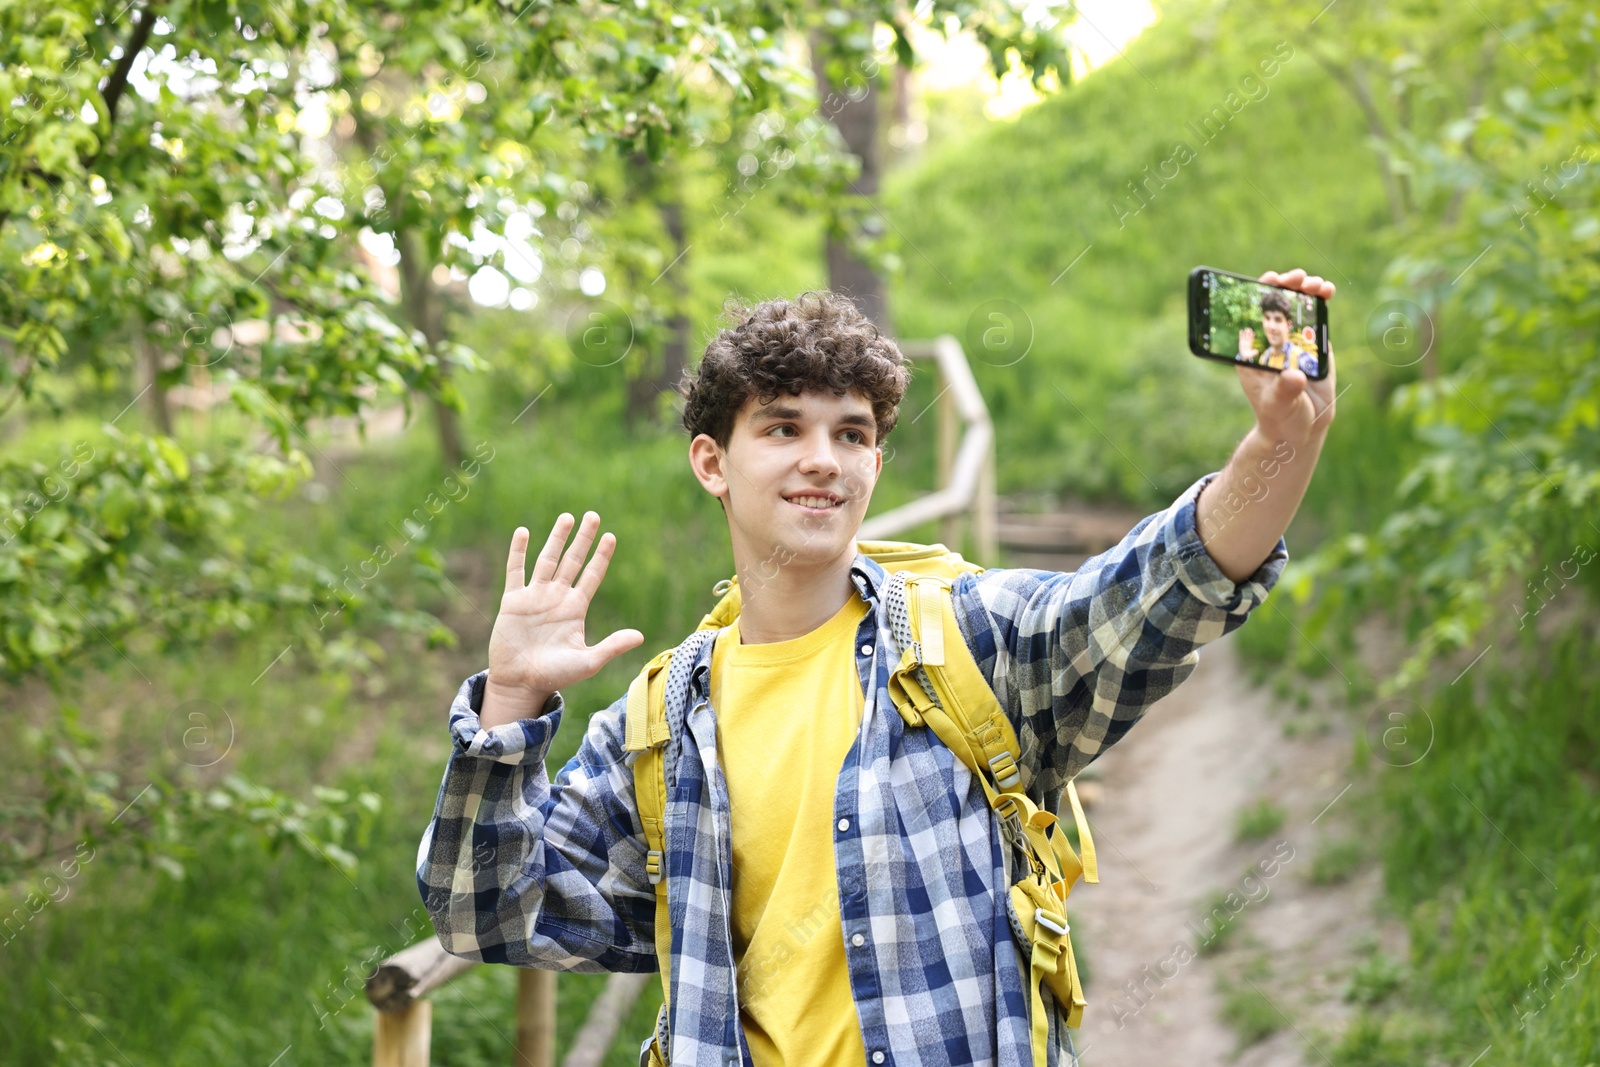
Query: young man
[[837, 880], [1277, 323]]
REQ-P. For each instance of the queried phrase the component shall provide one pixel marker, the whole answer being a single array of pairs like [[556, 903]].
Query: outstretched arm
[[1246, 510], [1076, 659]]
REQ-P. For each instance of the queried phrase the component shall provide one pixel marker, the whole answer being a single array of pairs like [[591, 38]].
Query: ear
[[709, 463]]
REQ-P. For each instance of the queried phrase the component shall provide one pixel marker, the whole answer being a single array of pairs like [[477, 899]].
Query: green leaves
[[1503, 258]]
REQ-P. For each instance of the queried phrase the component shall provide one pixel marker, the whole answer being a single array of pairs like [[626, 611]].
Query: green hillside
[[1286, 181]]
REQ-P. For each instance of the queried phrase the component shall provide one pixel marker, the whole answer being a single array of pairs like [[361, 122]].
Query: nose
[[819, 457]]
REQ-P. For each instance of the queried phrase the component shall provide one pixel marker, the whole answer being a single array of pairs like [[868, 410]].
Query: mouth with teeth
[[816, 503]]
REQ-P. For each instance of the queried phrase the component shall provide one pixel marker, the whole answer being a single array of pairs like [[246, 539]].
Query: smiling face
[[1276, 326], [795, 479]]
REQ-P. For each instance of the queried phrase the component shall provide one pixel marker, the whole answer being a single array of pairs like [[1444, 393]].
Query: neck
[[782, 603]]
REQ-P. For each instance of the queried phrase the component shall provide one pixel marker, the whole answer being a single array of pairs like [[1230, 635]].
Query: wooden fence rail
[[966, 466], [400, 986]]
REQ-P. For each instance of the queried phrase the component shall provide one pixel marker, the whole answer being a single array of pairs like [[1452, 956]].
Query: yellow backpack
[[963, 713]]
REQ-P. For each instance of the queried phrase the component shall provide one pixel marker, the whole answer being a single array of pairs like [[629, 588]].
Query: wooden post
[[951, 526], [412, 973], [967, 484], [985, 517], [536, 1018], [606, 1016], [400, 1038]]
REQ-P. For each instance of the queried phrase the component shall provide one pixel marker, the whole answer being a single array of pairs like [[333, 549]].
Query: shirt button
[[857, 940], [877, 1057], [866, 650], [844, 824]]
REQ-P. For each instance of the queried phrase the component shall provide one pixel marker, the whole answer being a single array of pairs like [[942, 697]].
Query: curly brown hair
[[819, 340], [1273, 300]]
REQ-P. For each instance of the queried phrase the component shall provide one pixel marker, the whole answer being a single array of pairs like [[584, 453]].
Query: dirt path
[[1168, 801]]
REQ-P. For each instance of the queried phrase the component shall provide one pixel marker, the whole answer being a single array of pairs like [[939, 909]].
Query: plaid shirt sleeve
[[1076, 659], [517, 869]]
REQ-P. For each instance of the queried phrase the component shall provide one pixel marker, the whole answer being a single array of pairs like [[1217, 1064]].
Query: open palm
[[538, 644]]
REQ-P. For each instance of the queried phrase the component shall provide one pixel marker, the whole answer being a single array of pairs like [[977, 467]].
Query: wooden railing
[[399, 988], [966, 466]]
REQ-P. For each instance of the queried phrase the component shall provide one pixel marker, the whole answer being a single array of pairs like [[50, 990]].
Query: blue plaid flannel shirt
[[517, 869]]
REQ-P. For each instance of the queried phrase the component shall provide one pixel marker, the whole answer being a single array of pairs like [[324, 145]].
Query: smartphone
[[1237, 319]]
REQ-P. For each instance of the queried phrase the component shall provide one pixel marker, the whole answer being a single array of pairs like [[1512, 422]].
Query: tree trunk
[[160, 405], [420, 301], [853, 110], [646, 386], [424, 310]]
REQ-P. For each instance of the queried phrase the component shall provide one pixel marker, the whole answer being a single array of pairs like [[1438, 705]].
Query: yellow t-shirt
[[787, 713]]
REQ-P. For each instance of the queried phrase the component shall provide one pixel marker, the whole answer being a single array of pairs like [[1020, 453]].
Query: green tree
[[1501, 231], [181, 191]]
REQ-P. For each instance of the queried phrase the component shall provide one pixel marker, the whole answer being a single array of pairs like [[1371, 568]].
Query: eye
[[861, 438], [780, 426]]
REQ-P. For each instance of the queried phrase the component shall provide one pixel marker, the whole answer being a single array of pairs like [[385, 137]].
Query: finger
[[1293, 279], [616, 644], [589, 583], [578, 551], [545, 566], [1313, 285], [517, 560], [1270, 277], [1328, 289]]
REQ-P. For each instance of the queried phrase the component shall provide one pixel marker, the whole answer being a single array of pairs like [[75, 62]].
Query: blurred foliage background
[[306, 307]]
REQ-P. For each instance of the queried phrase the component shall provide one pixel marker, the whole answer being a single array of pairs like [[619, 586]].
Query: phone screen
[[1241, 320]]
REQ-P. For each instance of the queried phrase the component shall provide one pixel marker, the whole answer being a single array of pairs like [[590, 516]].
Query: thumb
[[618, 643]]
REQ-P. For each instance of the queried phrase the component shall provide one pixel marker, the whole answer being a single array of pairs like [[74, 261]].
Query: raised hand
[[1288, 405], [538, 643], [1247, 343]]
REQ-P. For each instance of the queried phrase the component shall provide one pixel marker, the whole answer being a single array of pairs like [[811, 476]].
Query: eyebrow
[[784, 411]]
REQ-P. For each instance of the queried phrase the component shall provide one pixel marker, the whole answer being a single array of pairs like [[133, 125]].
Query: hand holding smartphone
[[1237, 319]]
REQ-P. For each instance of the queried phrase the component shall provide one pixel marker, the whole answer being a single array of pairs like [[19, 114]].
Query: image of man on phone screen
[[1277, 322]]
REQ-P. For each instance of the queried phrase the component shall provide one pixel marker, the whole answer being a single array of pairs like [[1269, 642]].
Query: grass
[[1335, 861], [1489, 855], [1218, 923], [1258, 820], [1396, 1039], [1374, 980], [1247, 1009]]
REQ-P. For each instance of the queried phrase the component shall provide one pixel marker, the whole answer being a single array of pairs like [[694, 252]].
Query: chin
[[805, 546]]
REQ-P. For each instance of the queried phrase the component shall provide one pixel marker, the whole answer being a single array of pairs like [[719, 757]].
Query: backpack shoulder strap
[[962, 710], [646, 731], [964, 714]]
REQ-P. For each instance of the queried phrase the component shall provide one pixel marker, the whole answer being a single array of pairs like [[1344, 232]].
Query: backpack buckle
[[1005, 770], [1051, 921], [652, 866]]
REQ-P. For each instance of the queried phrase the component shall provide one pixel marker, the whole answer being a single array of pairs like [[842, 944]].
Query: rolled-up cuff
[[522, 741], [1200, 573]]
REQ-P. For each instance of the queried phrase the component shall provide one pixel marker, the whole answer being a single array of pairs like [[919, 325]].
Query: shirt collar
[[866, 574]]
